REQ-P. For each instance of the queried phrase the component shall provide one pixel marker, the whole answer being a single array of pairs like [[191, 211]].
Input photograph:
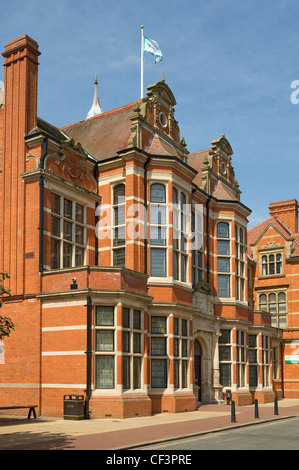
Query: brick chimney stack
[[20, 116], [287, 212]]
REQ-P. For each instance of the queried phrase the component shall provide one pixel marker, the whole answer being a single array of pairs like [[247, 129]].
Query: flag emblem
[[153, 48]]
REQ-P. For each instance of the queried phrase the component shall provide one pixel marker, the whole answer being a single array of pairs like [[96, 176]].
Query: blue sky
[[230, 65]]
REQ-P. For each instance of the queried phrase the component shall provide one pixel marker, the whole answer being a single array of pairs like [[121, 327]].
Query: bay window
[[132, 348], [105, 347], [68, 233]]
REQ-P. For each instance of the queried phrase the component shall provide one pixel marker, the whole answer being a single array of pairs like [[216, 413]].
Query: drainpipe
[[97, 218], [146, 209], [208, 238], [41, 206], [88, 358]]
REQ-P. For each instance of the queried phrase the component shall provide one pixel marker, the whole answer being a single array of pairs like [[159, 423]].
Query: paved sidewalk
[[18, 433]]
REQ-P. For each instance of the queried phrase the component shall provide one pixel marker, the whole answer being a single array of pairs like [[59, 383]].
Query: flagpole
[[142, 48]]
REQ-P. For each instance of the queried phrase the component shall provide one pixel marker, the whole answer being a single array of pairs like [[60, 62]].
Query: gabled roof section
[[159, 146], [256, 233], [224, 192]]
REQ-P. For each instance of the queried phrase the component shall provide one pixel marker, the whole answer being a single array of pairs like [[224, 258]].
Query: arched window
[[119, 225], [223, 259], [158, 193], [158, 230], [180, 236]]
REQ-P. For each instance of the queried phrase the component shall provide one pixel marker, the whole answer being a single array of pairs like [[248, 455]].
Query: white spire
[[96, 107]]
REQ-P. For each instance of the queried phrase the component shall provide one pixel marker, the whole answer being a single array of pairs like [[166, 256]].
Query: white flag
[[153, 48]]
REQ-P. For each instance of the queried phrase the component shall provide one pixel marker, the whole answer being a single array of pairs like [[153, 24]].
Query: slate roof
[[102, 136]]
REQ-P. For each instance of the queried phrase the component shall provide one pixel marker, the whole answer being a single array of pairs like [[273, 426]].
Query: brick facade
[[109, 296]]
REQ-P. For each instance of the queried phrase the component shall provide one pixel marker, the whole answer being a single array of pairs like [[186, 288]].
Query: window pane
[[225, 374], [176, 347], [67, 209], [252, 341], [158, 193], [176, 374], [137, 372], [225, 337], [67, 255], [253, 376], [175, 265], [224, 353], [136, 319], [79, 213], [119, 194], [184, 374], [79, 256], [158, 263], [55, 203], [183, 268], [158, 373], [126, 372], [55, 226], [222, 247], [126, 341], [175, 326], [158, 236], [223, 265], [79, 234], [136, 342], [119, 257], [67, 231], [55, 254], [104, 340], [184, 328], [105, 372], [222, 230], [119, 214], [158, 346], [126, 317], [119, 236], [158, 215], [104, 316], [185, 348], [223, 285], [282, 321], [252, 356], [158, 325]]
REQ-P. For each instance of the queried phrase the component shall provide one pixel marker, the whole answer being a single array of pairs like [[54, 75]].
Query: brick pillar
[[20, 116]]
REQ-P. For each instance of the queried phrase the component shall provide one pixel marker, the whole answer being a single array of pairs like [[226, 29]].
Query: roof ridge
[[104, 113]]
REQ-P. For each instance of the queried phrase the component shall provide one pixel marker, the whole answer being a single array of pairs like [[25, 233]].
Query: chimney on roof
[[287, 212]]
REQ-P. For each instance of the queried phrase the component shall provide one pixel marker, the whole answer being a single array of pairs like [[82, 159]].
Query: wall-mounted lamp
[[74, 285]]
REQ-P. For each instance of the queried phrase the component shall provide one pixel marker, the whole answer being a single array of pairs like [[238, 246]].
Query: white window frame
[[160, 227], [60, 236]]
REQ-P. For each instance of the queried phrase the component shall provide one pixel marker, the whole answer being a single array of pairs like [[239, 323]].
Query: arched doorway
[[198, 369]]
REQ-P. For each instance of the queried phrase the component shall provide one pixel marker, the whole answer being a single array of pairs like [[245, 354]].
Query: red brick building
[[273, 248], [127, 258]]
